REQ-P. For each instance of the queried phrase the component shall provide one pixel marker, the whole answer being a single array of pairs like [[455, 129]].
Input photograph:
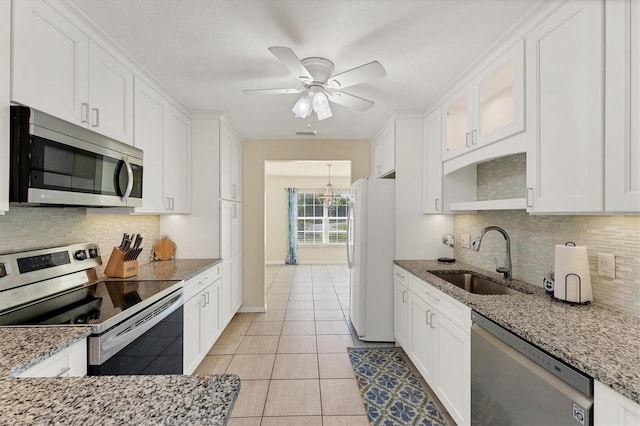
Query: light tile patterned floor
[[293, 360]]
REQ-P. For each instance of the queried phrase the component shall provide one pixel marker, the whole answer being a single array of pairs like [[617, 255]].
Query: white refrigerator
[[370, 254]]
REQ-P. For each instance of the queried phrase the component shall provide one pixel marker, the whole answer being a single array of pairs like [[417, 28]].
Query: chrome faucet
[[475, 246]]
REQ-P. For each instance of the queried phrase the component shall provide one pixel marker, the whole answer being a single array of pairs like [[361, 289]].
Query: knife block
[[117, 267]]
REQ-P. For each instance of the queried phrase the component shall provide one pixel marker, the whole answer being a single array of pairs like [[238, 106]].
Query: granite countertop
[[601, 342], [170, 399], [180, 269]]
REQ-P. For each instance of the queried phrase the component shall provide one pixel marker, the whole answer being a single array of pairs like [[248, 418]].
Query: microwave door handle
[[129, 188]]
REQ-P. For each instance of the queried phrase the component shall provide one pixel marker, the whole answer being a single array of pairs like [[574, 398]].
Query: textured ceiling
[[208, 51]]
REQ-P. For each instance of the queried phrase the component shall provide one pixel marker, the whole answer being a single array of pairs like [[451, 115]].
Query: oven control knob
[[80, 255], [81, 319], [93, 252]]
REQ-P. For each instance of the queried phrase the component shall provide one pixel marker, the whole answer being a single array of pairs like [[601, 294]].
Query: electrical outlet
[[464, 240], [606, 265]]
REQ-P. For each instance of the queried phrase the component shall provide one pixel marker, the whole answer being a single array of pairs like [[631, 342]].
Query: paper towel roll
[[572, 275]]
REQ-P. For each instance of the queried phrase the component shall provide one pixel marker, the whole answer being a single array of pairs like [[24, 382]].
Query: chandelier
[[330, 194]]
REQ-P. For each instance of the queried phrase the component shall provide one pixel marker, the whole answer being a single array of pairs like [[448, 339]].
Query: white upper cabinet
[[432, 201], [565, 92], [488, 109], [383, 151], [111, 95], [5, 84], [58, 70], [164, 134], [50, 62], [230, 165], [622, 108], [177, 162]]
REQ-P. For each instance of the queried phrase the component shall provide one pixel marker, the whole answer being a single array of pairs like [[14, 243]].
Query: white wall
[[276, 220]]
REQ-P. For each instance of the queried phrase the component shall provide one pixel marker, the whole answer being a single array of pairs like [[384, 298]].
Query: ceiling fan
[[320, 86]]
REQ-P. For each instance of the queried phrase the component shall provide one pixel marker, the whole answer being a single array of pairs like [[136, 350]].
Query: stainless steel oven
[[515, 383], [136, 326], [59, 163]]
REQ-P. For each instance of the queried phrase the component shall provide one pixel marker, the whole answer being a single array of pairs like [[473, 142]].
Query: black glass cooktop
[[92, 304]]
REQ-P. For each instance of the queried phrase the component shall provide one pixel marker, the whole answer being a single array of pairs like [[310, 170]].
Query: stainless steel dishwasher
[[515, 383]]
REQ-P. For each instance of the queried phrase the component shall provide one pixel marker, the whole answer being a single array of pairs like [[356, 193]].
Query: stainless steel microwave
[[58, 163]]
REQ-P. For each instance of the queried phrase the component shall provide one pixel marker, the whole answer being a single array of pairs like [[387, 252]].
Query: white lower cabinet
[[202, 320], [70, 362], [401, 314], [612, 408], [438, 342], [452, 367], [421, 337]]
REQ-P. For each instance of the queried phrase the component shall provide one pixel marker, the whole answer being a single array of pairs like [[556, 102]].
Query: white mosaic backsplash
[[533, 238], [26, 228]]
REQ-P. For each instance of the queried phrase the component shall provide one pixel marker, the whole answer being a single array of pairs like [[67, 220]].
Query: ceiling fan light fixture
[[321, 103], [303, 107], [325, 114]]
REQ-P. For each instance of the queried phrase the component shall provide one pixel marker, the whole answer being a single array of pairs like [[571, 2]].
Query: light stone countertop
[[601, 342], [142, 400]]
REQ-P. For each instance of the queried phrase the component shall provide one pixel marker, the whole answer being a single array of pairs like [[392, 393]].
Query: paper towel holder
[[583, 283]]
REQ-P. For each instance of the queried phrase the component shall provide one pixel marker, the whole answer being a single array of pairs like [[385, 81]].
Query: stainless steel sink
[[473, 283]]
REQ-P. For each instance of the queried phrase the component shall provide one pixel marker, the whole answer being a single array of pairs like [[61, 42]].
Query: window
[[321, 225]]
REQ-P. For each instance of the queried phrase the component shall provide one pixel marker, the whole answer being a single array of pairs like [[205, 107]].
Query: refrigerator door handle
[[350, 221]]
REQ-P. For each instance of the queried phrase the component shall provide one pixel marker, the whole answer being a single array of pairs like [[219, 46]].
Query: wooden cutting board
[[164, 249]]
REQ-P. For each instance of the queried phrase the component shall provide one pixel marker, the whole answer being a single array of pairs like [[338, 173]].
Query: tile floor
[[293, 360]]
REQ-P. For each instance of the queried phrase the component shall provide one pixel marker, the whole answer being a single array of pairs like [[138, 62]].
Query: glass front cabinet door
[[490, 109]]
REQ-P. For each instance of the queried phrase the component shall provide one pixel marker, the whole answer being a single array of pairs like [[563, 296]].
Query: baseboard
[[323, 262], [251, 309], [274, 262]]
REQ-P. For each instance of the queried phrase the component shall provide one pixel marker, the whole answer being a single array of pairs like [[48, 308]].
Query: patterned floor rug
[[392, 393]]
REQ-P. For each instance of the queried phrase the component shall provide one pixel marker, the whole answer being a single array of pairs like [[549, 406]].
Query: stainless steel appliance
[[56, 162], [136, 326], [515, 383]]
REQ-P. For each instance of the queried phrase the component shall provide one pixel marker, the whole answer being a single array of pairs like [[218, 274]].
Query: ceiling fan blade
[[291, 61], [271, 91], [358, 75], [350, 101]]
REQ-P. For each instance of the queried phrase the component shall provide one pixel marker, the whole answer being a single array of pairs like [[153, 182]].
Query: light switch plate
[[464, 240], [606, 265]]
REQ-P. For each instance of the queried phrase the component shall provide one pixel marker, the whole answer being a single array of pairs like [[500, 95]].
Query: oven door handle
[[120, 341]]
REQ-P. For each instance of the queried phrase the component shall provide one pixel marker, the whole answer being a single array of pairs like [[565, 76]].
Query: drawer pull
[[404, 296], [399, 275]]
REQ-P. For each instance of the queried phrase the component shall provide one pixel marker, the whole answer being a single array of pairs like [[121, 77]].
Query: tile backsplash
[[533, 238], [25, 228]]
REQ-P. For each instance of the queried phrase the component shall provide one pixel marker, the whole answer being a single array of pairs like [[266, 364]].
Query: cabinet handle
[[378, 169], [63, 371], [404, 296], [529, 197], [436, 204], [204, 301], [426, 316], [431, 322], [235, 212], [167, 203], [96, 117], [84, 112], [474, 137], [173, 200], [399, 275], [468, 140], [207, 296]]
